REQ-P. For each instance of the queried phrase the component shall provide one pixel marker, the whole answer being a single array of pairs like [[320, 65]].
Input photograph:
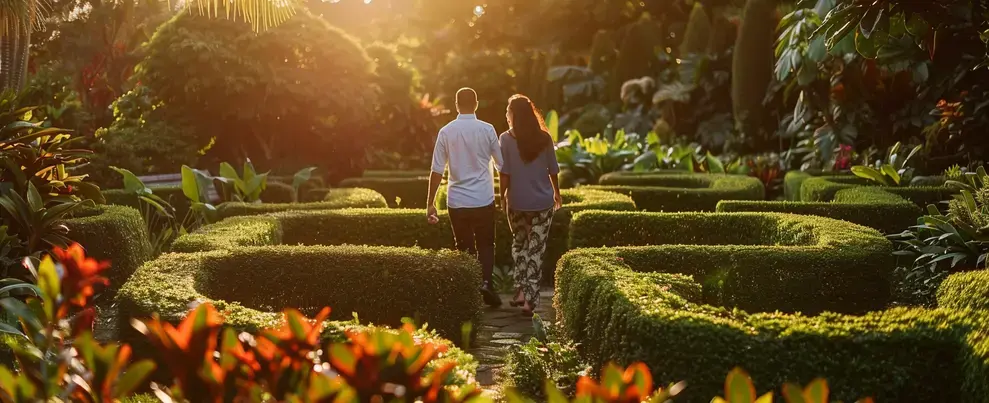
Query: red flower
[[79, 274]]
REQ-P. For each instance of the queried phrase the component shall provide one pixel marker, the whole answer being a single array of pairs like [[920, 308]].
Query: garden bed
[[113, 233], [333, 200]]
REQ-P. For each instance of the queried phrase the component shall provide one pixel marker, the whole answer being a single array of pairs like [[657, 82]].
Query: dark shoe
[[491, 298]]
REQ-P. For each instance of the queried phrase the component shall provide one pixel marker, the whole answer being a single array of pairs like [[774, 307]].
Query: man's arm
[[440, 159]]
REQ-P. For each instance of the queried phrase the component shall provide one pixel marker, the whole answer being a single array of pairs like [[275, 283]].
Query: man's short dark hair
[[467, 98]]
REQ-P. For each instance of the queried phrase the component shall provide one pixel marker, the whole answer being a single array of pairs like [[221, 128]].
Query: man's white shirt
[[468, 145]]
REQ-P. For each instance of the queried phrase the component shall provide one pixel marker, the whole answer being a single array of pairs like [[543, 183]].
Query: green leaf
[[132, 183], [190, 184], [817, 391], [868, 47], [302, 177], [888, 170], [553, 125], [714, 165], [870, 173], [34, 200], [793, 394], [553, 394], [133, 378], [738, 387]]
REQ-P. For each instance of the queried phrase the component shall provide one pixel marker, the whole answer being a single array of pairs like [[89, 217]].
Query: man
[[467, 145]]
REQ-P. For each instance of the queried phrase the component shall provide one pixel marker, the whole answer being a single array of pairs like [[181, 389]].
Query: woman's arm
[[506, 183], [557, 197]]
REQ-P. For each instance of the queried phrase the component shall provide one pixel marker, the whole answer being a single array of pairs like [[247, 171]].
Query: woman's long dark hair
[[528, 128]]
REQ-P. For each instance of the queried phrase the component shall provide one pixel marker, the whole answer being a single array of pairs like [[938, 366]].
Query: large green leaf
[[714, 165], [870, 173], [132, 183], [553, 125], [190, 184], [888, 170]]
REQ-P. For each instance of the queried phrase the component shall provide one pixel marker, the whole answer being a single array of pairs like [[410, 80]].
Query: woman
[[530, 192]]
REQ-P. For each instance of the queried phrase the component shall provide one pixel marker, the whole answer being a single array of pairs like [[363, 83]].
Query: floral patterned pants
[[530, 231]]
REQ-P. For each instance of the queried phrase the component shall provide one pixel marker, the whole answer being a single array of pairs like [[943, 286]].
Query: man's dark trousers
[[474, 233]]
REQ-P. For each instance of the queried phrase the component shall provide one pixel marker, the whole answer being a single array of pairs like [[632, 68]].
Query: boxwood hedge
[[815, 264], [965, 290], [869, 206], [631, 304], [387, 227], [681, 192], [248, 285], [819, 189], [334, 199], [406, 192], [114, 233]]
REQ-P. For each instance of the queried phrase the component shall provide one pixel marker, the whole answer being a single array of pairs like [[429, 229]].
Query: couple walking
[[530, 192]]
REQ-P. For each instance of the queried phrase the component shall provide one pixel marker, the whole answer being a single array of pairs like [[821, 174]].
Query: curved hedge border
[[383, 284], [619, 306], [825, 264], [387, 227], [114, 233], [406, 192], [820, 189], [681, 192], [869, 206], [334, 199], [966, 290]]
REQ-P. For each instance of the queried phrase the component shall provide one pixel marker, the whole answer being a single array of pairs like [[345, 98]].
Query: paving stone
[[506, 342], [505, 335]]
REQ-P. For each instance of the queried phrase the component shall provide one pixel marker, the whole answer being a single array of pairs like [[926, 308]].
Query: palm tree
[[20, 18]]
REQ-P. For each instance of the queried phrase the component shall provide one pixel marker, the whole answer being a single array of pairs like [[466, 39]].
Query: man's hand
[[431, 216]]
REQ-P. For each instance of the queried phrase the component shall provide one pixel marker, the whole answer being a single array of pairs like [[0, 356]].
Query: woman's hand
[[557, 201]]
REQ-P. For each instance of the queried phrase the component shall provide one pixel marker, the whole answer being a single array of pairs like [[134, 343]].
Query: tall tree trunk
[[6, 59], [21, 54]]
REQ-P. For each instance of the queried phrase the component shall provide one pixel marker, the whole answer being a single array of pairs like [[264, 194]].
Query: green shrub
[[334, 199], [792, 183], [405, 192], [697, 34], [824, 189], [868, 206], [172, 194], [752, 62], [825, 263], [387, 227], [249, 285], [628, 305], [114, 233], [396, 174], [966, 290], [681, 192]]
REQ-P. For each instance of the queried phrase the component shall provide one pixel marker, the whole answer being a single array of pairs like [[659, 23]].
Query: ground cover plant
[[710, 311]]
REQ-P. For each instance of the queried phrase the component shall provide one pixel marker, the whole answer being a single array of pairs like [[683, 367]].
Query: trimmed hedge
[[409, 192], [815, 264], [681, 192], [628, 305], [966, 290], [114, 233], [820, 189], [869, 206], [249, 285], [334, 199], [387, 227], [396, 174]]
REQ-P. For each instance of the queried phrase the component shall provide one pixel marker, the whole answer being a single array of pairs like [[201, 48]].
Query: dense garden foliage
[[795, 187]]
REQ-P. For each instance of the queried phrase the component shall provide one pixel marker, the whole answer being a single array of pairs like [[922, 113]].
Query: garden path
[[500, 329]]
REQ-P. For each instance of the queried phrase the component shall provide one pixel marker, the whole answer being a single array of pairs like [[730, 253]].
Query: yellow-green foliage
[[752, 64], [869, 206], [114, 233], [250, 285], [335, 199], [696, 36], [671, 306], [966, 290], [681, 192]]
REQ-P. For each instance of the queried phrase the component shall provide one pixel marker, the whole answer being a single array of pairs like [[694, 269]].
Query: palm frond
[[261, 14]]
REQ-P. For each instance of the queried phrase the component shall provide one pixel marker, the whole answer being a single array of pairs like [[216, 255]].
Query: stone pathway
[[500, 329]]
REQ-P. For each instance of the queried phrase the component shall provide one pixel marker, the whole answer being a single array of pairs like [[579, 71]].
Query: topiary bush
[[210, 75], [681, 192], [752, 62], [825, 263], [249, 285], [868, 206], [629, 304], [334, 199], [114, 233], [696, 36], [398, 191], [824, 189]]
